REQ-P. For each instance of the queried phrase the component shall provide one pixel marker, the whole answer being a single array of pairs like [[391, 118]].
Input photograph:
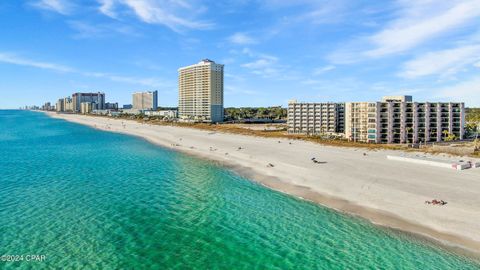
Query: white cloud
[[60, 6], [107, 8], [326, 12], [467, 91], [277, 4], [248, 52], [241, 39], [321, 70], [413, 24], [421, 21], [261, 63], [442, 62], [264, 65], [477, 64], [267, 66], [152, 82], [16, 60], [86, 30], [162, 12]]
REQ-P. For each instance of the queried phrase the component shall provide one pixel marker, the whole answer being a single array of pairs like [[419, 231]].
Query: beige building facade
[[200, 92], [315, 118], [68, 104], [86, 107], [400, 120], [145, 100], [60, 105], [97, 98], [65, 105]]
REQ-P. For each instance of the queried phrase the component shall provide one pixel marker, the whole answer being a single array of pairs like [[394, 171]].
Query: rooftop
[[397, 99]]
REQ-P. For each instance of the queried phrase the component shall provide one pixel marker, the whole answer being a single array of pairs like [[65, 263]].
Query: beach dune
[[357, 181]]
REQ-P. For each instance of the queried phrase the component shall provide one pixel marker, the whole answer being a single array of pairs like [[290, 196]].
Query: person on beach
[[436, 202]]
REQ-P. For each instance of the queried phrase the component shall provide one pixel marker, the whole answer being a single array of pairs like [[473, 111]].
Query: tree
[[261, 112], [450, 137], [472, 119], [445, 133]]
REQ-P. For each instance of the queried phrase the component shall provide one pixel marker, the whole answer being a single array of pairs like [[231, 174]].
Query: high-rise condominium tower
[[200, 91], [145, 100], [98, 99]]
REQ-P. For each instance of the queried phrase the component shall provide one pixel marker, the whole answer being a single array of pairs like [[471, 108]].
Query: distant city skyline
[[273, 51]]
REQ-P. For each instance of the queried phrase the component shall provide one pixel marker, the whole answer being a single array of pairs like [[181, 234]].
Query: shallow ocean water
[[96, 200]]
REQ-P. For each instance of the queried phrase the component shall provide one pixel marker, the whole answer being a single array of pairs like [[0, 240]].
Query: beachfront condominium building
[[315, 118], [65, 105], [400, 120], [86, 107], [60, 105], [170, 114], [111, 106], [48, 107], [68, 104], [200, 92], [145, 100], [98, 100]]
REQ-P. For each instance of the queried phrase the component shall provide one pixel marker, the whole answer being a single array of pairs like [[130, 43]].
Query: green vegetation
[[281, 133], [450, 137], [473, 114], [273, 113], [473, 120]]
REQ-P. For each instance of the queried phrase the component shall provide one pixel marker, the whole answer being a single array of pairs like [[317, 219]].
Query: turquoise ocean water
[[88, 199]]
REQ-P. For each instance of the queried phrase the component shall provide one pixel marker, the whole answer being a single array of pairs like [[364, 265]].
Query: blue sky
[[273, 50]]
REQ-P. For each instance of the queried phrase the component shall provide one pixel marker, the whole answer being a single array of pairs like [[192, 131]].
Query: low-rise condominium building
[[395, 119], [401, 120], [315, 118]]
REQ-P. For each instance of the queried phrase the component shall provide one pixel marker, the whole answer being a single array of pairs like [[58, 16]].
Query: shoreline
[[307, 188], [450, 242]]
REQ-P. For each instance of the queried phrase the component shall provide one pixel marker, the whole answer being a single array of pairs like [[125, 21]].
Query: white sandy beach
[[390, 193]]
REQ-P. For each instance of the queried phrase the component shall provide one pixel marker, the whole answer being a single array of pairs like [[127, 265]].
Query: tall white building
[[200, 92], [145, 100]]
